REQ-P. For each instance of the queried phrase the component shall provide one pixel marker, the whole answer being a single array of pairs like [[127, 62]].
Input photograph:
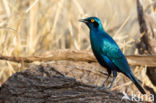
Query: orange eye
[[92, 20]]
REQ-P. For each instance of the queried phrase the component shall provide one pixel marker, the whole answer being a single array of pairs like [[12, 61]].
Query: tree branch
[[76, 55]]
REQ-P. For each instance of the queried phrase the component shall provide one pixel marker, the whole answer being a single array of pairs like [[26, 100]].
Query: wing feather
[[113, 52]]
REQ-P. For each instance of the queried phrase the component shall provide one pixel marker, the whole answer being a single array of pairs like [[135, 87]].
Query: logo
[[125, 96], [138, 97]]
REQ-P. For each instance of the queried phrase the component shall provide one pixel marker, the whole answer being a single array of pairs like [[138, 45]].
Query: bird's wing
[[113, 52], [111, 49]]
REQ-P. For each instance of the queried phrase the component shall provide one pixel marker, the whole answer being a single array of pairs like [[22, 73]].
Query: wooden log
[[44, 84]]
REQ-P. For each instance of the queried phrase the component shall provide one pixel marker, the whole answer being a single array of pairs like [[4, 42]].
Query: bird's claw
[[101, 88]]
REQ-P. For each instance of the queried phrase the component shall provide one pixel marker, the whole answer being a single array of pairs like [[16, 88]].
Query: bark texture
[[44, 84]]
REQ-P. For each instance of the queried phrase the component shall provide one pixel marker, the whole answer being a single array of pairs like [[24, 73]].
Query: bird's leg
[[103, 85], [114, 77], [106, 80]]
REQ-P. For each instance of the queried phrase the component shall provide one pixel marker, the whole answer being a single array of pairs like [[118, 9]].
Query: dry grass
[[32, 27]]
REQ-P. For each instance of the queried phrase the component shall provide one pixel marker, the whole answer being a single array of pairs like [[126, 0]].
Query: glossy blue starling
[[108, 53]]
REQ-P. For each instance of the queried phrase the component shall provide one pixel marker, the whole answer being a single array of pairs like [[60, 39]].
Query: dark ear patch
[[96, 24]]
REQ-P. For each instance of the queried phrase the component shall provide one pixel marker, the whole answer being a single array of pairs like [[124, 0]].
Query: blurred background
[[33, 27]]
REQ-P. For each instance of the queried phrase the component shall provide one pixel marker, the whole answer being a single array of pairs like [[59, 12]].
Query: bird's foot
[[101, 88]]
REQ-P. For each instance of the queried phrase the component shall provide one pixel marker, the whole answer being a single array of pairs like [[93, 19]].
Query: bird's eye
[[92, 20]]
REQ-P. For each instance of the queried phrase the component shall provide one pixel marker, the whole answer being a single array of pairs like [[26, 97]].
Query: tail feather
[[136, 82]]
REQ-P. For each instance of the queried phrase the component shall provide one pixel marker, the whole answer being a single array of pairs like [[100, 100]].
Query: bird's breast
[[95, 43]]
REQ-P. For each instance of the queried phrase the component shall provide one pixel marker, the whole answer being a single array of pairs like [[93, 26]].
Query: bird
[[108, 53]]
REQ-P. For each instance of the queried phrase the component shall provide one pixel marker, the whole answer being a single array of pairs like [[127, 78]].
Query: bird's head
[[92, 22]]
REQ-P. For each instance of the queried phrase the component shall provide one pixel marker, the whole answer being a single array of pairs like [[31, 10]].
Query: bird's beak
[[83, 20]]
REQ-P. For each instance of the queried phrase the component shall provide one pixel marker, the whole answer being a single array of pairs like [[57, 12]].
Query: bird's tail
[[136, 82]]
